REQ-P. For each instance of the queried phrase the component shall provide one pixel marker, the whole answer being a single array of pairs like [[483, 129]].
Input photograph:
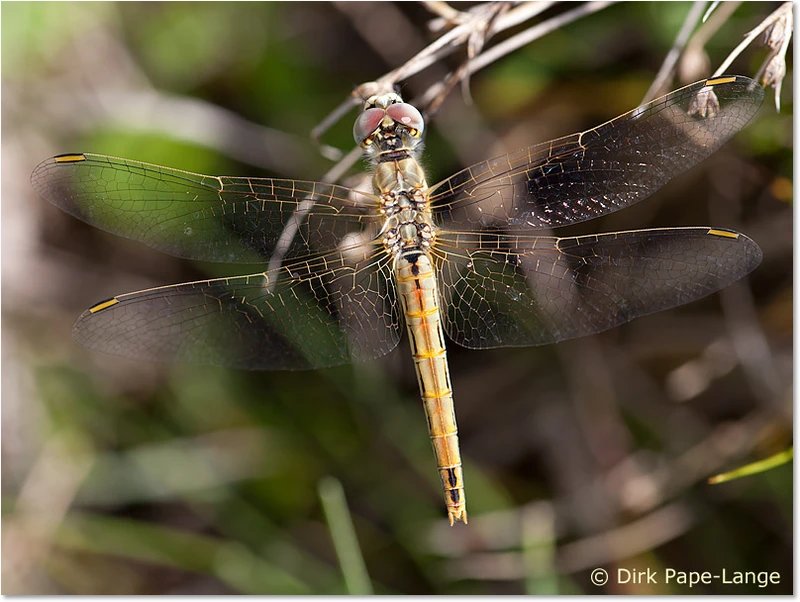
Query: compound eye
[[367, 123], [407, 115]]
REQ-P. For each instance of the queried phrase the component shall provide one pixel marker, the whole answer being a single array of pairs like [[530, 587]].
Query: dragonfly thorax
[[408, 228], [403, 190]]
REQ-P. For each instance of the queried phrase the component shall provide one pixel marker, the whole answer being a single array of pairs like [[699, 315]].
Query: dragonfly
[[471, 257]]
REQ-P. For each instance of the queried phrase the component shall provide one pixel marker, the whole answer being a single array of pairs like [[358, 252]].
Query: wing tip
[[740, 82], [752, 254], [39, 176]]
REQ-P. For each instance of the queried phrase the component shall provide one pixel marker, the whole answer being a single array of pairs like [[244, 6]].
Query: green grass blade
[[344, 538], [538, 550], [229, 561], [754, 468]]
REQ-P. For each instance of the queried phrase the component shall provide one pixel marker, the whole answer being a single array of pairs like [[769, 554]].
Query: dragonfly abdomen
[[418, 291]]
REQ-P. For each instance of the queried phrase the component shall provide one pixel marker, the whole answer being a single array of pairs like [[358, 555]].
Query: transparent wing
[[209, 218], [325, 312], [507, 291], [601, 170]]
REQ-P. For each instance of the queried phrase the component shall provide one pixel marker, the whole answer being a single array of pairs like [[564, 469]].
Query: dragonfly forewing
[[208, 218], [602, 170], [304, 315], [509, 291]]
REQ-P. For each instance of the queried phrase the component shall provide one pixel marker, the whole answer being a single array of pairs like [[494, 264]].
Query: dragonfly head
[[387, 121]]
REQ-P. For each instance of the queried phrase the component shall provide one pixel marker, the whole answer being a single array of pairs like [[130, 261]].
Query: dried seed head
[[774, 72], [705, 103], [777, 34]]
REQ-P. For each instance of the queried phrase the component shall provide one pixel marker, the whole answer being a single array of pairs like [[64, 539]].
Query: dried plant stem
[[752, 35], [668, 66]]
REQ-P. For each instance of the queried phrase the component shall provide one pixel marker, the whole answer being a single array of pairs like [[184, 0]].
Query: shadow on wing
[[208, 218], [329, 311]]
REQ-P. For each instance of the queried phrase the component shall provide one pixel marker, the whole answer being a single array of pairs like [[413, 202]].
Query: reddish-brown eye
[[367, 123], [406, 115]]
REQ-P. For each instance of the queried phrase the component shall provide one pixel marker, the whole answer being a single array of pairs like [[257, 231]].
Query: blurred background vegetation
[[128, 478]]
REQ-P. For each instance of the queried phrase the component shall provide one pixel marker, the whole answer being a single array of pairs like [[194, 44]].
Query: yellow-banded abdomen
[[418, 293]]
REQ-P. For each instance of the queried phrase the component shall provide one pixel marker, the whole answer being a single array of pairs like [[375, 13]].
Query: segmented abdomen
[[416, 283]]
